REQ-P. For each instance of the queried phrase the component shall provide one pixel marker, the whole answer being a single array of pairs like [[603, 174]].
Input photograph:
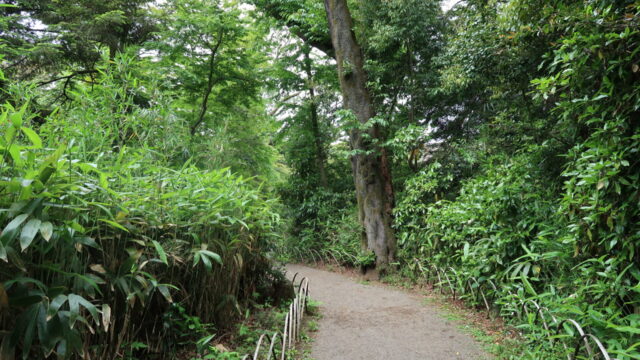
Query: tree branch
[[67, 77], [283, 102], [319, 41], [209, 88]]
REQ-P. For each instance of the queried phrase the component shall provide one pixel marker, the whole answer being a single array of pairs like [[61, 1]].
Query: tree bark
[[368, 162], [385, 169]]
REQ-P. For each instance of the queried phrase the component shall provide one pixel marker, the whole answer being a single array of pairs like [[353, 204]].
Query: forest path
[[374, 322]]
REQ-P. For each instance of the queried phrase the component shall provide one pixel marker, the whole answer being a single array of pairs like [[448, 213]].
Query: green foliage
[[203, 53], [325, 230], [112, 218], [512, 126], [109, 231], [601, 174], [317, 195], [262, 320], [400, 38], [216, 354], [546, 205], [45, 38], [143, 143], [365, 260]]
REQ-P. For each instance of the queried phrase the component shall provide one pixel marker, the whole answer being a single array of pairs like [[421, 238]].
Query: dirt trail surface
[[375, 322]]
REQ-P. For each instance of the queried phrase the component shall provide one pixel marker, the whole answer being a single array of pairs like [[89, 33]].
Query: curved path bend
[[375, 322]]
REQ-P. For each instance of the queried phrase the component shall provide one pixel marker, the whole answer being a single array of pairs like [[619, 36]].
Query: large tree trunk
[[369, 169]]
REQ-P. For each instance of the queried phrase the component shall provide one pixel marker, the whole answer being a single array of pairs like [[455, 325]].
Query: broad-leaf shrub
[[568, 242], [97, 242]]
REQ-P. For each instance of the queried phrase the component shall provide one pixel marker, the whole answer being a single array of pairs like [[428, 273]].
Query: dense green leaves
[[513, 128], [109, 196], [142, 145], [533, 184], [114, 219]]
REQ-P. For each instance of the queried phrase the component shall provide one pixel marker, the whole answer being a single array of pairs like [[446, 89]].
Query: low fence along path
[[374, 322]]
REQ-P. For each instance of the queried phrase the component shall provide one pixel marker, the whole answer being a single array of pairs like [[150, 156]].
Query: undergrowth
[[109, 242]]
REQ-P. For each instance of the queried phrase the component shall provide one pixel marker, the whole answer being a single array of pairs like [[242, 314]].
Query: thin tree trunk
[[369, 169], [209, 88], [315, 128]]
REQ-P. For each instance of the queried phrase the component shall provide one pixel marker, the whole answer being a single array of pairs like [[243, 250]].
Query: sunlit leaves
[[13, 225], [33, 137], [46, 230], [29, 232]]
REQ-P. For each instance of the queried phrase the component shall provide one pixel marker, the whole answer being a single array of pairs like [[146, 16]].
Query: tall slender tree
[[313, 118], [368, 162]]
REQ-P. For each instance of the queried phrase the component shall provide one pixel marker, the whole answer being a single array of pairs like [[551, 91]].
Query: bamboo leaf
[[29, 232], [15, 223], [9, 134], [85, 240], [528, 286], [43, 329], [627, 329], [48, 168], [30, 318], [114, 224], [46, 230], [106, 317], [16, 119], [160, 251], [212, 255], [3, 252], [16, 155], [92, 309], [98, 268], [196, 259], [33, 137], [164, 290], [74, 308], [206, 262], [55, 305]]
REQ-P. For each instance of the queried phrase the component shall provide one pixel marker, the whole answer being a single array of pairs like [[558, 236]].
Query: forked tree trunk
[[369, 169]]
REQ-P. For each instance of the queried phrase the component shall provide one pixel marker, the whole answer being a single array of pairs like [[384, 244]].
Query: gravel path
[[374, 322]]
